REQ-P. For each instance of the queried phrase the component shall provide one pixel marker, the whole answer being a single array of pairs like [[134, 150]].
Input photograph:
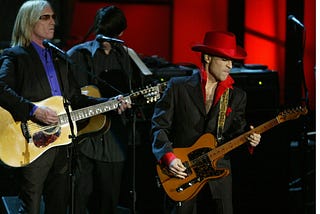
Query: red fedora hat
[[220, 43]]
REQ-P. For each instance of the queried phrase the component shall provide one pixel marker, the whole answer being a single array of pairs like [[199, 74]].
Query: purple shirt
[[46, 59]]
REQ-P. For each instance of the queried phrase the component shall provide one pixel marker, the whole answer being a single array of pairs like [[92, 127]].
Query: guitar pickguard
[[44, 138], [202, 165]]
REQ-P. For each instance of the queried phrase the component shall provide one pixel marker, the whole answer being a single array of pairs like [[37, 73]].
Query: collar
[[222, 87], [38, 48], [204, 76], [95, 46]]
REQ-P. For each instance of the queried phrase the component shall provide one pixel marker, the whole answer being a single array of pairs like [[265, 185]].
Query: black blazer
[[23, 80], [180, 117]]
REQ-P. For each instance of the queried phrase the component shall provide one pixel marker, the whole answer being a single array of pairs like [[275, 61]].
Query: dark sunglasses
[[47, 17]]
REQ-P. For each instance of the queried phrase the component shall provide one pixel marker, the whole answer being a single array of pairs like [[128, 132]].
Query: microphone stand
[[73, 151], [132, 115], [115, 45], [72, 154], [133, 121], [305, 129], [133, 191], [304, 132]]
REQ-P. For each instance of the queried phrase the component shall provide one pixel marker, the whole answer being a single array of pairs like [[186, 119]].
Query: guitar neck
[[236, 142], [87, 112], [148, 95]]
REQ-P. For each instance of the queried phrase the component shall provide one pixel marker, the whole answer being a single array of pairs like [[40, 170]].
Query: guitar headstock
[[292, 114], [150, 94]]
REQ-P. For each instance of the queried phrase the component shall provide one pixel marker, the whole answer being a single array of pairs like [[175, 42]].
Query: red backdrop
[[168, 31], [148, 31]]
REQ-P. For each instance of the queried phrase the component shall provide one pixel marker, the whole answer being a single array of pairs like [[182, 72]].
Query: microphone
[[292, 18], [102, 38], [46, 43]]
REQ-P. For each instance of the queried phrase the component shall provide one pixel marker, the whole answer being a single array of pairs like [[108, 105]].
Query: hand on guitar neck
[[122, 105]]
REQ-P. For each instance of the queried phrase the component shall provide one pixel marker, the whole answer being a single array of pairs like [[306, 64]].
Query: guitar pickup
[[189, 184]]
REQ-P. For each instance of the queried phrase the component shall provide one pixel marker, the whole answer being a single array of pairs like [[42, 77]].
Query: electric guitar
[[200, 159], [23, 142]]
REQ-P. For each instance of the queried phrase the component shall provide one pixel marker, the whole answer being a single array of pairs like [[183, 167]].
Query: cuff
[[250, 149], [34, 108], [167, 158]]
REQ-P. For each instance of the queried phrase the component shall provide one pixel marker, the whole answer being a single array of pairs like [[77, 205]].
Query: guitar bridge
[[189, 184], [25, 132]]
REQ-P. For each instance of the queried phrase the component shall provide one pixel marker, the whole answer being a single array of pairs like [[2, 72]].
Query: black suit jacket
[[180, 117], [23, 80]]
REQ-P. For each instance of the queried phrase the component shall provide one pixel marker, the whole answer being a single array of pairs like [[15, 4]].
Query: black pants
[[48, 175], [98, 185], [205, 202]]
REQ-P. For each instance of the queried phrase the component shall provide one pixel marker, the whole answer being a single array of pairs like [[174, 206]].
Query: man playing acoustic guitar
[[191, 107], [30, 73]]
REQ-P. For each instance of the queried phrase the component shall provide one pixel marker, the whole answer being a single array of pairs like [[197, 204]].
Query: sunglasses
[[47, 17]]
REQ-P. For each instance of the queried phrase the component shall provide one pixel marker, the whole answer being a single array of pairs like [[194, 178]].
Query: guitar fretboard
[[238, 141], [87, 112], [149, 95]]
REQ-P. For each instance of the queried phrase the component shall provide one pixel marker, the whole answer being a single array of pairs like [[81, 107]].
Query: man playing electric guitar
[[206, 102]]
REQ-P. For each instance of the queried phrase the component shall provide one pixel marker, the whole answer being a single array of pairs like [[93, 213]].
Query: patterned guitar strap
[[222, 114]]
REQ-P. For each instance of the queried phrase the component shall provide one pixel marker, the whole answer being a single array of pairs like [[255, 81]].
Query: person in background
[[30, 73], [190, 107], [106, 65]]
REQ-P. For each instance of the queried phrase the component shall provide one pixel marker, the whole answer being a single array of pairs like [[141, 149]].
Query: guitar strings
[[34, 127]]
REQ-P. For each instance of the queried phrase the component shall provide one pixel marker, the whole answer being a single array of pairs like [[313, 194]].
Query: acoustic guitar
[[94, 125], [200, 159], [23, 142]]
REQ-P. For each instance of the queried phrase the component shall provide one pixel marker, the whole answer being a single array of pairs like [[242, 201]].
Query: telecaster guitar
[[22, 143], [200, 159]]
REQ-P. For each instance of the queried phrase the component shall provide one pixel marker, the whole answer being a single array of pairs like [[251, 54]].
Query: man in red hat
[[191, 107]]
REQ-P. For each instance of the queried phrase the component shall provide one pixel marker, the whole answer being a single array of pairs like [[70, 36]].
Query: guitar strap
[[222, 114]]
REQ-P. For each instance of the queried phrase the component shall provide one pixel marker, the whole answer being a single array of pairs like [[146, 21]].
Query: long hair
[[26, 19], [110, 21]]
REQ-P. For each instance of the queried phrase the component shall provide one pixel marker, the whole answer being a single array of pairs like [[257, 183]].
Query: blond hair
[[26, 19]]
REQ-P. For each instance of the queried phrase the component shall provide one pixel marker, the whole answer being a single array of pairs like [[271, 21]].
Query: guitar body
[[200, 159], [96, 124], [22, 143], [16, 150], [199, 170]]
